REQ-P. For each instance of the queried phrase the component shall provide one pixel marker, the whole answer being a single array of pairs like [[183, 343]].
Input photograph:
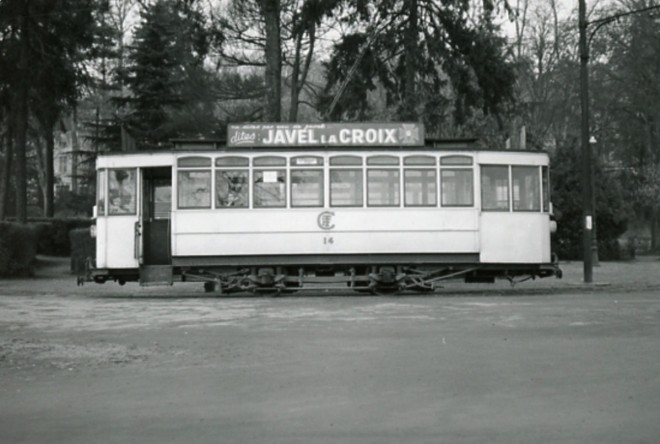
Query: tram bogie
[[315, 212]]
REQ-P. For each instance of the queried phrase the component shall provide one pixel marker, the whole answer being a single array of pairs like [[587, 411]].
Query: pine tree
[[166, 74], [432, 60], [43, 41]]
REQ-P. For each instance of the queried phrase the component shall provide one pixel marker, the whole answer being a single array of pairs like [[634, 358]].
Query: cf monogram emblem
[[325, 220]]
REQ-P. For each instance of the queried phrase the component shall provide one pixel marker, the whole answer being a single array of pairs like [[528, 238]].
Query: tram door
[[156, 213]]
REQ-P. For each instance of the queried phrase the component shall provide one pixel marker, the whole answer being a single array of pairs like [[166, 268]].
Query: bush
[[612, 211], [18, 249], [54, 234], [83, 246]]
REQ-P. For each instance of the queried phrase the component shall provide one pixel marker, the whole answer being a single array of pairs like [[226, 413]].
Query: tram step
[[151, 275]]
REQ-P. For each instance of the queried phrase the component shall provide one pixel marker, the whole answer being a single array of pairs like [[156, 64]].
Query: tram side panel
[[117, 248], [522, 238], [349, 231]]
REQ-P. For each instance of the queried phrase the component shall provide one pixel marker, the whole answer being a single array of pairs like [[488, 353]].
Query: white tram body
[[398, 213]]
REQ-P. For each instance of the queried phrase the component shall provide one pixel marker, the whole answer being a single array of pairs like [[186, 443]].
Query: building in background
[[74, 158]]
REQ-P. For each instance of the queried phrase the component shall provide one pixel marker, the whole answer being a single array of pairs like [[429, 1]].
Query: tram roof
[[220, 146], [196, 146]]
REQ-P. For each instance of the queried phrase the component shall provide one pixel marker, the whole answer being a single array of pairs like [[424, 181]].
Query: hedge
[[18, 249], [83, 246], [54, 234]]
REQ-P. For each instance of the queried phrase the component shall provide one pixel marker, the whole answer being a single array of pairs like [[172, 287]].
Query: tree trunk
[[74, 150], [655, 233], [22, 122], [41, 171], [273, 75], [298, 79], [5, 181], [408, 106], [295, 73], [49, 201]]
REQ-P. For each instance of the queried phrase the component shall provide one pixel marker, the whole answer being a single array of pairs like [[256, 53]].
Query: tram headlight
[[553, 226], [92, 231]]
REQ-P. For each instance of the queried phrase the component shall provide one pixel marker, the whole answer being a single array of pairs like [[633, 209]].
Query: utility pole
[[587, 156]]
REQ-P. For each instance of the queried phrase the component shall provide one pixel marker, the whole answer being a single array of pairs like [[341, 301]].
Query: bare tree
[[270, 10]]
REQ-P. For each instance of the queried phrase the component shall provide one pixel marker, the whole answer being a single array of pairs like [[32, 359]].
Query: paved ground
[[553, 361]]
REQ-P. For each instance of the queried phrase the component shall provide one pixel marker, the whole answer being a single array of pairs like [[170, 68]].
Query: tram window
[[420, 187], [231, 188], [306, 188], [194, 189], [419, 160], [121, 191], [526, 188], [100, 193], [161, 199], [269, 161], [270, 188], [456, 160], [457, 187], [383, 188], [194, 162], [346, 188], [382, 160], [345, 160], [495, 188], [232, 161], [306, 161], [546, 188]]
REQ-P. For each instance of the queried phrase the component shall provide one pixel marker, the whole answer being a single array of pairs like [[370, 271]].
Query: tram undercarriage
[[367, 278], [374, 279]]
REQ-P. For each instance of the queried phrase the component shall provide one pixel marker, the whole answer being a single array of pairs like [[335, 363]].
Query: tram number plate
[[328, 240]]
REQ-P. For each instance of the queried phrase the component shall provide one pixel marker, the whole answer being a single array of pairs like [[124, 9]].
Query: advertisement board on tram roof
[[325, 134]]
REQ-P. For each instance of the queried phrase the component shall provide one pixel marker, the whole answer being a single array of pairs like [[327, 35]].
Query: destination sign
[[325, 134]]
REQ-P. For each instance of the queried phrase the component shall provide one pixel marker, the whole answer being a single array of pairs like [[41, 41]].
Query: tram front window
[[100, 193], [495, 188], [526, 188], [121, 191], [161, 199], [546, 188]]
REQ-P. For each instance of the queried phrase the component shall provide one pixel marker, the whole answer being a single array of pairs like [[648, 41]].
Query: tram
[[287, 207]]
